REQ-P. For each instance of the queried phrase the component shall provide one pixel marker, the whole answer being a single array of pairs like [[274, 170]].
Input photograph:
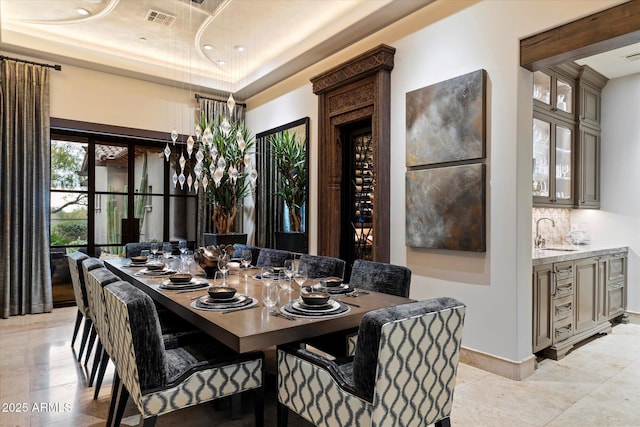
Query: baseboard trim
[[498, 365], [633, 317]]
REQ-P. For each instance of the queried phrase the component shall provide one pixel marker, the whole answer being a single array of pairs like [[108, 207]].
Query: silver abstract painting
[[445, 121]]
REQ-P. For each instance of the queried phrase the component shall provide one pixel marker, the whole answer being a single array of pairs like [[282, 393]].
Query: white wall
[[496, 286], [618, 220]]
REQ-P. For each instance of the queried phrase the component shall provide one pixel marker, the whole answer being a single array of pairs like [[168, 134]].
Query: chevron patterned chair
[[323, 266], [403, 372], [80, 295], [161, 380]]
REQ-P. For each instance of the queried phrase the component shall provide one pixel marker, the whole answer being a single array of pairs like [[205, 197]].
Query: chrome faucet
[[539, 242]]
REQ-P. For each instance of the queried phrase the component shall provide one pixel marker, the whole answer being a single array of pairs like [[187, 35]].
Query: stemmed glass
[[223, 266], [246, 261], [182, 246], [300, 273], [167, 250], [155, 247], [289, 271]]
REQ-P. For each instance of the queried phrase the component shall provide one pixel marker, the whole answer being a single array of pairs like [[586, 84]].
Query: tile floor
[[597, 384]]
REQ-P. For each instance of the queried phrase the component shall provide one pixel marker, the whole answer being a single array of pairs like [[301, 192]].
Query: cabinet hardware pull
[[554, 284]]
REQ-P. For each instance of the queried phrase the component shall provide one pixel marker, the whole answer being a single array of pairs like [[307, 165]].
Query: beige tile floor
[[597, 384]]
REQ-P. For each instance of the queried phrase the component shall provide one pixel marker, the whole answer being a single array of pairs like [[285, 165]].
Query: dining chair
[[161, 380], [80, 295], [97, 279], [85, 266], [381, 277], [323, 266], [403, 372], [239, 247], [272, 257]]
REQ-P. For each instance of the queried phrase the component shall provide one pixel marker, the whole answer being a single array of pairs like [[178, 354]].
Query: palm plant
[[290, 154]]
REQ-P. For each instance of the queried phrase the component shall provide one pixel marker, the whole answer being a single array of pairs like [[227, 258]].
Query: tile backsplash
[[552, 235]]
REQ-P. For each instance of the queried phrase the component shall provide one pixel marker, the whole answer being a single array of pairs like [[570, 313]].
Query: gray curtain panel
[[25, 275], [214, 110]]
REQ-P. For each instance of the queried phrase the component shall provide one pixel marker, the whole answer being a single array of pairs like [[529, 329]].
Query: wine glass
[[288, 271], [300, 273], [182, 246], [223, 266], [246, 260], [155, 247], [167, 250]]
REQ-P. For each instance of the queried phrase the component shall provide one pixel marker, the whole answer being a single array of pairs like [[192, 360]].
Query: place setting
[[315, 304], [155, 270], [184, 282], [331, 285], [137, 261], [223, 299]]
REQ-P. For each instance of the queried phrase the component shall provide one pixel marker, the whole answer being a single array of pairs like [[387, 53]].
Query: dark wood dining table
[[253, 328]]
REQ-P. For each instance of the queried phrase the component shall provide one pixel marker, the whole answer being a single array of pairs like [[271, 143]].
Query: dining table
[[255, 327]]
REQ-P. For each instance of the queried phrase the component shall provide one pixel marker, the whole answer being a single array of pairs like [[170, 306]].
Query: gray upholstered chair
[[403, 372], [97, 279], [134, 248], [381, 277], [272, 257], [323, 266], [239, 247], [80, 295], [161, 380]]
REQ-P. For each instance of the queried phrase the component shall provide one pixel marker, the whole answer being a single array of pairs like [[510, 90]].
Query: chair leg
[[115, 395], [79, 317], [445, 422], [235, 400], [123, 396], [103, 368], [92, 340], [85, 333], [149, 422], [259, 405], [96, 361], [283, 415]]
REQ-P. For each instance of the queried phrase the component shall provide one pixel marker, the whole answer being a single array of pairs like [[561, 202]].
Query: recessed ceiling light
[[239, 48], [82, 11], [221, 62], [207, 47]]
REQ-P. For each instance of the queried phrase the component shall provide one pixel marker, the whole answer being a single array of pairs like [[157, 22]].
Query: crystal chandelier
[[221, 158]]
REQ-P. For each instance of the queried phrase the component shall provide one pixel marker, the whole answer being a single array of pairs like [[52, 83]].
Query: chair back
[[135, 248], [97, 279], [381, 277], [139, 352], [406, 361], [77, 281], [272, 257], [239, 247], [323, 266]]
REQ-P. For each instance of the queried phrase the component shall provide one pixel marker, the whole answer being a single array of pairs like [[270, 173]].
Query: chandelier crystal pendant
[[222, 158]]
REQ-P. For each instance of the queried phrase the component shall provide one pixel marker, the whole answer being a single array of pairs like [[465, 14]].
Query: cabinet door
[[586, 294], [542, 315], [588, 164], [590, 105], [602, 289]]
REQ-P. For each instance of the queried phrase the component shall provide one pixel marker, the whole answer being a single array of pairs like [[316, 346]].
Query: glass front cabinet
[[552, 161]]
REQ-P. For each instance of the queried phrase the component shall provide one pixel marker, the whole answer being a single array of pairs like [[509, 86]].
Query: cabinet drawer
[[563, 270], [562, 329], [563, 288], [563, 308]]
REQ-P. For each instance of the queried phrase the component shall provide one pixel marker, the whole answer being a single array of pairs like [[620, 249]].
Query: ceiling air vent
[[633, 57], [160, 17]]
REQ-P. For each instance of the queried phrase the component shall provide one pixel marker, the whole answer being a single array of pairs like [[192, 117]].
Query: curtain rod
[[217, 98], [55, 67]]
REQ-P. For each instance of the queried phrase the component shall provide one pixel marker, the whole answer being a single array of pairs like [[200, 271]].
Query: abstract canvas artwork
[[445, 121], [445, 208], [445, 180]]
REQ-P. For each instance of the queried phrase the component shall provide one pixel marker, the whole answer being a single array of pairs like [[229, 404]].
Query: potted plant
[[224, 168], [289, 152]]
